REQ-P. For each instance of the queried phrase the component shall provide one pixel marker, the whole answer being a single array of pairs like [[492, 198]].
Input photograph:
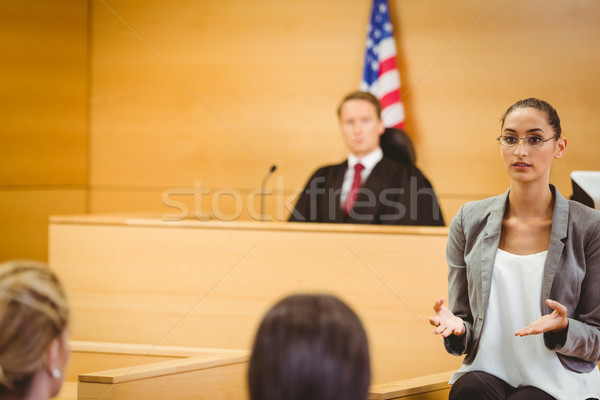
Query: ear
[[380, 127], [561, 147], [53, 360], [55, 366]]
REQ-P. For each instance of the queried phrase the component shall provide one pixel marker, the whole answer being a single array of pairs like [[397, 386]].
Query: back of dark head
[[310, 347]]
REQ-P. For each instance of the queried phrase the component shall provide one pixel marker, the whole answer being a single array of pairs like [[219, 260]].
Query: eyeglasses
[[531, 140]]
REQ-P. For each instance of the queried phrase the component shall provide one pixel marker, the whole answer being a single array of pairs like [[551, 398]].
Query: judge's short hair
[[360, 95]]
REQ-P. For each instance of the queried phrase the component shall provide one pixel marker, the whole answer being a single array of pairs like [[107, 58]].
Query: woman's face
[[522, 162]]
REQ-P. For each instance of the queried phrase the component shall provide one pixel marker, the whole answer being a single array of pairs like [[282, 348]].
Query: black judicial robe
[[393, 194]]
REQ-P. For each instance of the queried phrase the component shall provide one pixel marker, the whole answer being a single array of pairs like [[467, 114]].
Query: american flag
[[381, 76]]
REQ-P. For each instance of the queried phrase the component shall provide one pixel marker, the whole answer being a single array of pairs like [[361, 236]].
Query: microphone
[[262, 190]]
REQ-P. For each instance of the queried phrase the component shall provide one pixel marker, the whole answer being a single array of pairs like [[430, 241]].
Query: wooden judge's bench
[[193, 292]]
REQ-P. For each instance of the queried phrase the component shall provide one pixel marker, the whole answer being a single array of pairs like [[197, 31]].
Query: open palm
[[555, 321], [445, 321]]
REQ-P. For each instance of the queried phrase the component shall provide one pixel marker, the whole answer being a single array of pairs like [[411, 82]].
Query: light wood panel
[[196, 283], [120, 375], [223, 204], [198, 381], [213, 87], [184, 90], [24, 218], [427, 387], [142, 371], [43, 120], [472, 69], [90, 358], [219, 92], [220, 376], [197, 201], [68, 391], [43, 107]]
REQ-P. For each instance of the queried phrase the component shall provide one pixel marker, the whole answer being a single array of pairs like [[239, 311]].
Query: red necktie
[[351, 198]]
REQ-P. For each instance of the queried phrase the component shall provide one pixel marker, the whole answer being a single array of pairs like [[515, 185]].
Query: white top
[[515, 302], [369, 161]]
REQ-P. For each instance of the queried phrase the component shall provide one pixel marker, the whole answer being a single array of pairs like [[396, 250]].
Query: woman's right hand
[[445, 321]]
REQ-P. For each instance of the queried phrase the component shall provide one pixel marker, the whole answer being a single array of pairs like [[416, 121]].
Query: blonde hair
[[33, 312]]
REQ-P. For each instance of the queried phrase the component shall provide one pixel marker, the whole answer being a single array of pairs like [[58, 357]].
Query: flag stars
[[379, 30]]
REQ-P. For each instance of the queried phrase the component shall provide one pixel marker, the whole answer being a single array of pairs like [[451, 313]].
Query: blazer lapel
[[379, 176], [490, 241], [378, 179], [560, 219]]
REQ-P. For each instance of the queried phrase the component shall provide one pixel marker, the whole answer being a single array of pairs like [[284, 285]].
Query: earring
[[56, 373]]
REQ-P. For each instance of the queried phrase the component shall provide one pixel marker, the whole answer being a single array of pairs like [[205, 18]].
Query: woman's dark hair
[[542, 106], [310, 347]]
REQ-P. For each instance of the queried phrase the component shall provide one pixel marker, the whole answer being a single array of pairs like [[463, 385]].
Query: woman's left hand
[[556, 321]]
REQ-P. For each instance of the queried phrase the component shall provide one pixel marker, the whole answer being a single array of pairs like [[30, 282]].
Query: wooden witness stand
[[206, 285]]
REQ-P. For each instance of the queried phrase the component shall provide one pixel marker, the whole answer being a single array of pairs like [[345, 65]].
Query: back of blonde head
[[33, 312]]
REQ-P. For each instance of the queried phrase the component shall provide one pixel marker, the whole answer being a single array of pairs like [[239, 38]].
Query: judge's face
[[525, 163], [361, 127]]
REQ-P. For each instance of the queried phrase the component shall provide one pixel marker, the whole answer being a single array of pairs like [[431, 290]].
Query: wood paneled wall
[[188, 91], [192, 93], [43, 119]]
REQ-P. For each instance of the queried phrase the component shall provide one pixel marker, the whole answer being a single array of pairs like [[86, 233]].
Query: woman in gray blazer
[[524, 270]]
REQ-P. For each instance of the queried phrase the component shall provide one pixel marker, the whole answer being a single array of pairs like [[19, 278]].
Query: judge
[[367, 188]]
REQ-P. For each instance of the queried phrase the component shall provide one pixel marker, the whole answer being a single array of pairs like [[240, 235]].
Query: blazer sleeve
[[579, 349], [428, 208], [458, 288], [414, 203], [307, 206]]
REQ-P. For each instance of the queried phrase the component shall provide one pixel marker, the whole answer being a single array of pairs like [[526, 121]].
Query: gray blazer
[[571, 276]]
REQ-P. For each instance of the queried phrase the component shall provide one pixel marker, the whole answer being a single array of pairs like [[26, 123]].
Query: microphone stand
[[262, 190]]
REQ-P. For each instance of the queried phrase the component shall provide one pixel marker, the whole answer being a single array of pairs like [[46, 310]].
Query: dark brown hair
[[542, 106], [358, 95], [310, 347]]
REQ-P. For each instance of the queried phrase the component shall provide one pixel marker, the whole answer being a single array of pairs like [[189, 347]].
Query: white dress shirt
[[369, 161]]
